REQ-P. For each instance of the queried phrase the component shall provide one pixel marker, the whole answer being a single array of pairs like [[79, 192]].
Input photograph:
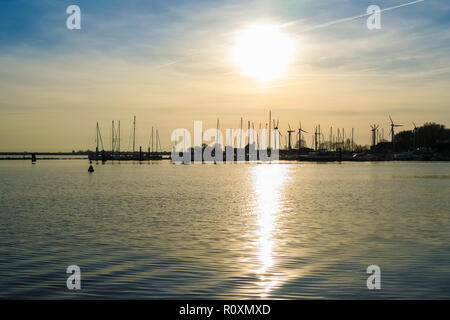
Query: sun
[[263, 52]]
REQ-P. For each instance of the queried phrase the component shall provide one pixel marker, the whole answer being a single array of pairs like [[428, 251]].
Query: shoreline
[[224, 162]]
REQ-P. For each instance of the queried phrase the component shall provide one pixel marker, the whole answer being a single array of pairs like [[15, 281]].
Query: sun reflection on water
[[267, 183]]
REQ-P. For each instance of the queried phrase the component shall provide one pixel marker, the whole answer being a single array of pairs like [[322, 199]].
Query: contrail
[[327, 24]]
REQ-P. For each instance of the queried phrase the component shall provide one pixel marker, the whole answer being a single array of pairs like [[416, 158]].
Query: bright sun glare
[[263, 52]]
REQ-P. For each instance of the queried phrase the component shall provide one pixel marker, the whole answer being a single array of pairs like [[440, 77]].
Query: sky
[[170, 63]]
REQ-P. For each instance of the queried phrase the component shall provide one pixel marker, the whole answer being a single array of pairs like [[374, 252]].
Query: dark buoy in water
[[91, 168], [33, 158]]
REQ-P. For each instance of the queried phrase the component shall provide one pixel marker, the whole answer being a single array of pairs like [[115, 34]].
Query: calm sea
[[234, 231]]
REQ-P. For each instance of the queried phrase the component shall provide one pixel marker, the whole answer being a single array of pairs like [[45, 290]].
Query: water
[[236, 231]]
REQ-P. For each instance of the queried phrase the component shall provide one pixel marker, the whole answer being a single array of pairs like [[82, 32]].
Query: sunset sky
[[171, 62]]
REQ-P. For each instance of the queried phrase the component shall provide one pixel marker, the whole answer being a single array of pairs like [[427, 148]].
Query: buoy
[[91, 168]]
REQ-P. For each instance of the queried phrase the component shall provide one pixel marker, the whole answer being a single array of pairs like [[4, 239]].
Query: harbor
[[219, 157], [430, 142]]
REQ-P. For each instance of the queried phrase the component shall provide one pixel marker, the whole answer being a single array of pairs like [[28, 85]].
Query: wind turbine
[[414, 138], [275, 127], [374, 129], [290, 131], [317, 138], [300, 130], [393, 125]]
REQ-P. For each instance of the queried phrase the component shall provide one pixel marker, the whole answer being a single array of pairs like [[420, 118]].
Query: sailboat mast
[[118, 146], [217, 131], [240, 138], [254, 136], [343, 138], [134, 133], [96, 150], [270, 123], [331, 138], [353, 132], [112, 137], [248, 134], [157, 140]]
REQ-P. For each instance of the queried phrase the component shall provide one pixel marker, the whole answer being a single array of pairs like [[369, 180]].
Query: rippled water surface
[[283, 231]]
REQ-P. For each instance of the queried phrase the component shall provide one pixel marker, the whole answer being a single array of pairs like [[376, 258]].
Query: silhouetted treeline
[[429, 136]]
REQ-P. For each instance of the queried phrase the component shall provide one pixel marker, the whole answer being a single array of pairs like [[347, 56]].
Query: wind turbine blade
[[391, 119]]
